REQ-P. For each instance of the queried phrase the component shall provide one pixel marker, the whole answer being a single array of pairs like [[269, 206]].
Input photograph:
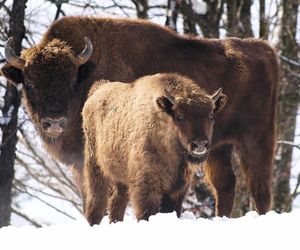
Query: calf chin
[[195, 159]]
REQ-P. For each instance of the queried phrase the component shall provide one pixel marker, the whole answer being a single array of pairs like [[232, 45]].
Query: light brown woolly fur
[[132, 142]]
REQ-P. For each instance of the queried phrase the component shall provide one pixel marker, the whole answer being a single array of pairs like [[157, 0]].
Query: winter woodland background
[[34, 189]]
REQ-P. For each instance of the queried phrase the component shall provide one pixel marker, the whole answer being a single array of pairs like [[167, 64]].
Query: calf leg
[[218, 170], [118, 202], [95, 188], [173, 202], [96, 191], [257, 156], [145, 200]]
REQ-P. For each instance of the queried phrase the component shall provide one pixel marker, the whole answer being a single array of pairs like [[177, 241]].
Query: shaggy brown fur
[[124, 50], [136, 139]]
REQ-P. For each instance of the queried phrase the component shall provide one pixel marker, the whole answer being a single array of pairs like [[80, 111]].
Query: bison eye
[[74, 82], [180, 118], [211, 117], [29, 85]]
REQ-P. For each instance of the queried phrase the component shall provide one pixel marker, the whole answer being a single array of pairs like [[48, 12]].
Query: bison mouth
[[53, 134], [51, 137], [197, 156]]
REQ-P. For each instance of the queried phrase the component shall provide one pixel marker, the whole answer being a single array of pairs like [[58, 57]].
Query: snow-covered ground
[[163, 231]]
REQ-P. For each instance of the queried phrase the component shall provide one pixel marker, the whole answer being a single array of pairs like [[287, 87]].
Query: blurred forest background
[[34, 189]]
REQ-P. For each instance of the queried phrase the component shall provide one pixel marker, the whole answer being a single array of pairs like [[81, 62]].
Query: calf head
[[49, 76], [193, 117]]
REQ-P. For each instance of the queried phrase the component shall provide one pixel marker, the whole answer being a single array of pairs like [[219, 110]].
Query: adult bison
[[58, 72], [148, 137]]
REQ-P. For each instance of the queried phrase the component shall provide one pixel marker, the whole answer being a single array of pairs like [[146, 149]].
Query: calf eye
[[211, 117], [180, 118]]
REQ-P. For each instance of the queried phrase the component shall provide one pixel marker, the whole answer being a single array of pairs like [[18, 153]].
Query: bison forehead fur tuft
[[56, 55], [187, 93]]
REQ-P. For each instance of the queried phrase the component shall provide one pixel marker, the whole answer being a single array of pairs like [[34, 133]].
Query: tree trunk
[[142, 8], [208, 19], [172, 14], [10, 113], [189, 22], [287, 107], [239, 18], [263, 23]]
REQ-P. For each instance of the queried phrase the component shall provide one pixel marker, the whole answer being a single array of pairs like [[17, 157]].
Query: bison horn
[[170, 97], [11, 57], [216, 95], [85, 55]]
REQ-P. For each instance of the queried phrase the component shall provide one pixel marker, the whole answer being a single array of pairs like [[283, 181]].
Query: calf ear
[[164, 103], [11, 73], [220, 100]]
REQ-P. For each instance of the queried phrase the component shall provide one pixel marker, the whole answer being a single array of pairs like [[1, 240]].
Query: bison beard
[[124, 50], [194, 159]]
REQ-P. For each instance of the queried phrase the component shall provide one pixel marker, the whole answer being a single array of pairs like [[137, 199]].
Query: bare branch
[[48, 204], [26, 217], [290, 143], [75, 205], [295, 193], [2, 3], [11, 135], [121, 8], [290, 61], [42, 162]]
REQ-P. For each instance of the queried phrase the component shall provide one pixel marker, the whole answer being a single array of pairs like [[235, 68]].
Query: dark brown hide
[[124, 50]]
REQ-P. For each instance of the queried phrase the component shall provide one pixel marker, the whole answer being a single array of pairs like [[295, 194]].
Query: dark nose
[[199, 145], [54, 124]]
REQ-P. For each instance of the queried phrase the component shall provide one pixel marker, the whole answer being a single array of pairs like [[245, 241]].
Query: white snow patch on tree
[[199, 7], [5, 119]]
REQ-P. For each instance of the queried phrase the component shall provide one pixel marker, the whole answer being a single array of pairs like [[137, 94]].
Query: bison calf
[[144, 139]]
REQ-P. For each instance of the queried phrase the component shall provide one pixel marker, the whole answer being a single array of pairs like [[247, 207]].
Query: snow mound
[[163, 231]]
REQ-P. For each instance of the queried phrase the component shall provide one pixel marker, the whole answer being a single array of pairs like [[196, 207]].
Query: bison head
[[193, 117], [49, 76]]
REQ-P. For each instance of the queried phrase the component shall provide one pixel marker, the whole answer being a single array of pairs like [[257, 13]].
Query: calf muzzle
[[199, 148]]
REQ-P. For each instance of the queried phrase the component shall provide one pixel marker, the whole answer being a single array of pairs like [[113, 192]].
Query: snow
[[5, 120], [163, 231], [199, 6]]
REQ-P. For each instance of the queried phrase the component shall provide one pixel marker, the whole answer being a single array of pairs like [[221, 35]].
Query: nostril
[[57, 125], [45, 124], [63, 122], [194, 145], [205, 143]]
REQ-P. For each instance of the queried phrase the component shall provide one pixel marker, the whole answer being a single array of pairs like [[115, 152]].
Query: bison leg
[[145, 202], [118, 202], [95, 192], [257, 161], [173, 202], [219, 173], [77, 175]]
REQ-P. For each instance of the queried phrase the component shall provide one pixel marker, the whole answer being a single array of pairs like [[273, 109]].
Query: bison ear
[[164, 103], [11, 73], [220, 100]]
